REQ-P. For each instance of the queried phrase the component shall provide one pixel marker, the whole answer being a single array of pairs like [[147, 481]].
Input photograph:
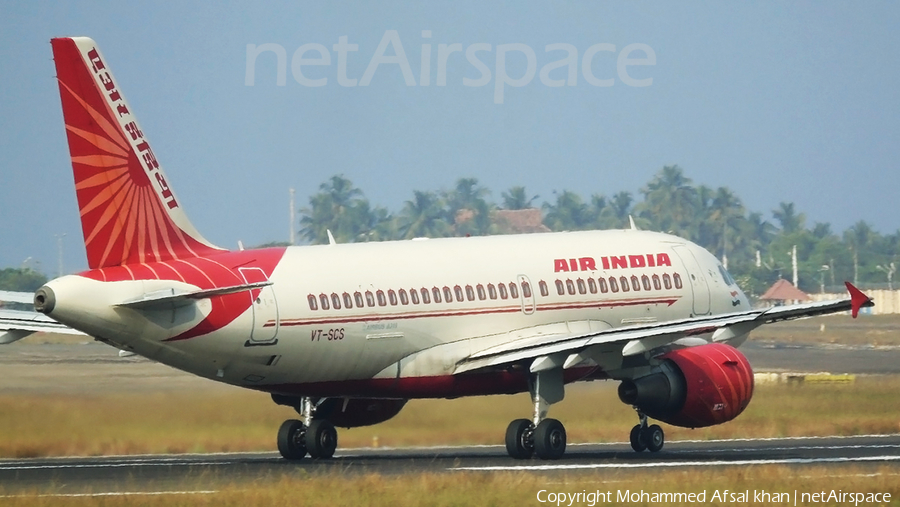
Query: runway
[[202, 472]]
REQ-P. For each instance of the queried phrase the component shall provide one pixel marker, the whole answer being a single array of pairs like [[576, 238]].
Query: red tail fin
[[129, 214]]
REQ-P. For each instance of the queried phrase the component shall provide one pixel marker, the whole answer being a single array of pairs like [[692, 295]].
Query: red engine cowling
[[694, 387], [357, 412]]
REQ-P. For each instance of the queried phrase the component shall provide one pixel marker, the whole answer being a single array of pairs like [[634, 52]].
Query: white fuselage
[[336, 314]]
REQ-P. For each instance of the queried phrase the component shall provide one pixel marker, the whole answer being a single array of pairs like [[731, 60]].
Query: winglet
[[857, 299]]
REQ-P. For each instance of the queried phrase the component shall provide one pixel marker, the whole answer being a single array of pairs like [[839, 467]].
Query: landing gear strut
[[643, 437], [318, 437], [541, 436]]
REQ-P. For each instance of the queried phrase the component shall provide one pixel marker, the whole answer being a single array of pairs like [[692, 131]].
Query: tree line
[[755, 247]]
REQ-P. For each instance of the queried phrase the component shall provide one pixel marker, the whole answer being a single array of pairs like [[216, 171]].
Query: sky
[[781, 102]]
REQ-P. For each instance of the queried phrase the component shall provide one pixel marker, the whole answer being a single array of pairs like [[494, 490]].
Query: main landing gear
[[318, 437], [541, 436], [643, 437]]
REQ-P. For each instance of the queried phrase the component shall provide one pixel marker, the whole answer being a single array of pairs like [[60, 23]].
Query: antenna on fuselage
[[631, 222], [331, 240]]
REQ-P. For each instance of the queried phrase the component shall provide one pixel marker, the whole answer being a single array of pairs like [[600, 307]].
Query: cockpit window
[[726, 276]]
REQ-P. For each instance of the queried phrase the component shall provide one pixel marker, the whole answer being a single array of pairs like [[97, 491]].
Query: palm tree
[[339, 207], [423, 216], [789, 219], [468, 210], [670, 202], [517, 198], [859, 238], [726, 216], [569, 213]]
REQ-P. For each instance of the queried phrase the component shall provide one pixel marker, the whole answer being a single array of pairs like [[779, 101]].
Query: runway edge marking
[[786, 461]]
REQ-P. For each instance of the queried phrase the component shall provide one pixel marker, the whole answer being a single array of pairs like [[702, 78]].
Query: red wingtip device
[[857, 299]]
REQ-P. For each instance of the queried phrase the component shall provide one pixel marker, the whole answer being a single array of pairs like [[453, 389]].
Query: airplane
[[346, 334]]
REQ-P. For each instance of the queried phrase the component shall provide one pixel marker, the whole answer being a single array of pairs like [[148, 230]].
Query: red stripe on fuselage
[[481, 311]]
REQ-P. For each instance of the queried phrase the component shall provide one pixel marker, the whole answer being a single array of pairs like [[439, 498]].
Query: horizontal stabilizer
[[15, 325], [173, 298], [17, 297]]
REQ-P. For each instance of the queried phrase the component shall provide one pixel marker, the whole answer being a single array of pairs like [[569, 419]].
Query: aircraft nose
[[44, 300]]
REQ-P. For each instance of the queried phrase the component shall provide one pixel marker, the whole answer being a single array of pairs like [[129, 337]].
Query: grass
[[878, 330], [237, 420], [465, 489]]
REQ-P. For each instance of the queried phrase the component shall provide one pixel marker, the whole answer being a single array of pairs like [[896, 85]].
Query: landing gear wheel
[[321, 439], [638, 443], [291, 442], [654, 437], [550, 439], [520, 439]]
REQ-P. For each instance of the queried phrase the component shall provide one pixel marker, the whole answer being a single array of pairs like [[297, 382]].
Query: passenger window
[[678, 284], [544, 290], [667, 281], [560, 289], [470, 293], [313, 304], [480, 289], [635, 283], [526, 290], [359, 300], [370, 298], [437, 294], [603, 287], [570, 286], [392, 297], [656, 284], [427, 298], [503, 294], [613, 284], [492, 291], [459, 295], [623, 282], [381, 300], [513, 290], [448, 294], [336, 301], [582, 288], [403, 299], [348, 301], [323, 299], [414, 296], [592, 286], [645, 281]]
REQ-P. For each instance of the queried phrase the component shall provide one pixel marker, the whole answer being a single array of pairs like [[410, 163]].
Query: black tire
[[550, 439], [638, 443], [291, 442], [519, 441], [654, 437], [321, 439]]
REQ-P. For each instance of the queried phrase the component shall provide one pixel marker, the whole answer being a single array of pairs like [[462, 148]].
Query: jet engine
[[693, 387]]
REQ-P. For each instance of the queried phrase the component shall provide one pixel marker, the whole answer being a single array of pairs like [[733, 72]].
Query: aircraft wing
[[566, 351]]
